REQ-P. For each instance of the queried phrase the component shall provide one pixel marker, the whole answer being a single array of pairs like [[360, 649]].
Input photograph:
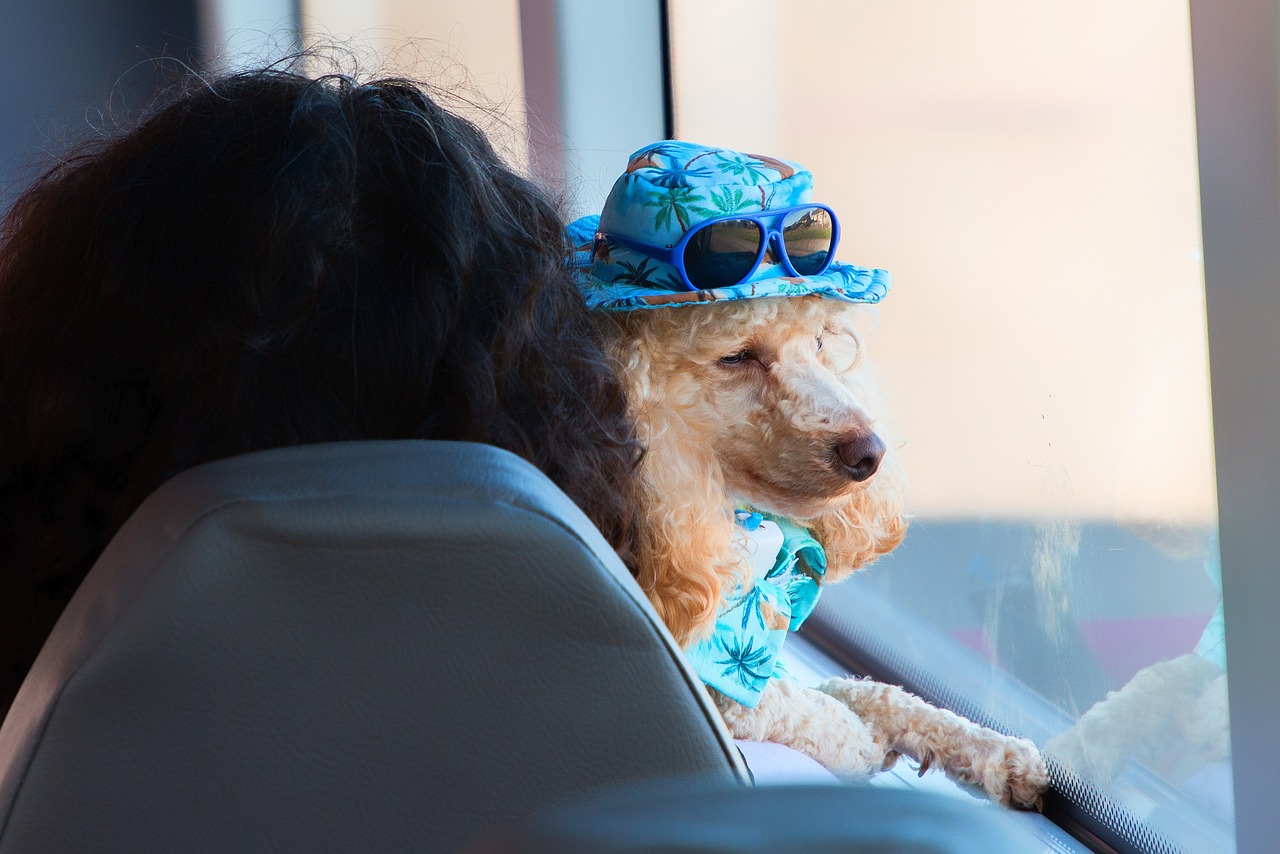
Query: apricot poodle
[[769, 404]]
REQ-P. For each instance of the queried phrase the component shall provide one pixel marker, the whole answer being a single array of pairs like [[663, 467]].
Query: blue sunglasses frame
[[769, 223]]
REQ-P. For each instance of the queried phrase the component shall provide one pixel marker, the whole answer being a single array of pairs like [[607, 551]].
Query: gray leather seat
[[366, 646]]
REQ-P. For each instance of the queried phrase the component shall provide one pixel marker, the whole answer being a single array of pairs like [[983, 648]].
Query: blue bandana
[[788, 565]]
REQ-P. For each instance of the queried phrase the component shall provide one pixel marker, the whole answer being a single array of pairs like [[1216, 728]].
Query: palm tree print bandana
[[668, 188], [788, 565]]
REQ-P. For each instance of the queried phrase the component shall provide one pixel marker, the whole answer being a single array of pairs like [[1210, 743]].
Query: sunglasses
[[727, 250]]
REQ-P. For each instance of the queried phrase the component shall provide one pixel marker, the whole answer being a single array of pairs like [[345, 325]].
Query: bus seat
[[357, 646]]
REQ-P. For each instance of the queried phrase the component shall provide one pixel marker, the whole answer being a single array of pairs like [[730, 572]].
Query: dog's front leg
[[1008, 769], [812, 723]]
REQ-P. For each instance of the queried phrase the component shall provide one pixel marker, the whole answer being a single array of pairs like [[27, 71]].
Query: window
[[470, 52], [1028, 174]]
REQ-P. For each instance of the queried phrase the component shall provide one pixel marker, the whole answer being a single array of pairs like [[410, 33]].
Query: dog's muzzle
[[861, 457]]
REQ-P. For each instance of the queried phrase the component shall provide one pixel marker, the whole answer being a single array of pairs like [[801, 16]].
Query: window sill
[[809, 665]]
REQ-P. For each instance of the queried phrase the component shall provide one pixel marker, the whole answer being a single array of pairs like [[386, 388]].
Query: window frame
[[593, 98], [1234, 52], [237, 34]]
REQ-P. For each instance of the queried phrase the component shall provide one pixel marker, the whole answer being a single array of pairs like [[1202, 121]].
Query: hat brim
[[844, 282]]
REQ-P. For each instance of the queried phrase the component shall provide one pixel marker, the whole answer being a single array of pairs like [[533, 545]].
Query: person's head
[[272, 260]]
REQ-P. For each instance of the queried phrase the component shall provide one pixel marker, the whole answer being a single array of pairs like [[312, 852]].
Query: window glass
[[1028, 174], [468, 52]]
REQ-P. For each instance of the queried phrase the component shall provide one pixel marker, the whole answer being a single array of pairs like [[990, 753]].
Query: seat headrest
[[358, 645]]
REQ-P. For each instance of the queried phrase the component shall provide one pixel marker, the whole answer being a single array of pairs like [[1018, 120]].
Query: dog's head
[[766, 402]]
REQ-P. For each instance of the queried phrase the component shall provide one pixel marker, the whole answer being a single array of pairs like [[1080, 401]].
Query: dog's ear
[[868, 526], [685, 558]]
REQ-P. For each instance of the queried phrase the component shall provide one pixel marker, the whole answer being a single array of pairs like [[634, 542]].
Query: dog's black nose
[[862, 456]]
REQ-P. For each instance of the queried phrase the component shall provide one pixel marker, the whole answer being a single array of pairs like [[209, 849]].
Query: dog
[[755, 399]]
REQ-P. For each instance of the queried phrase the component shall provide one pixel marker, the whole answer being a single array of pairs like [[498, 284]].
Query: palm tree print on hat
[[645, 159], [785, 170], [673, 174], [677, 202], [792, 286], [731, 200], [642, 275], [750, 169], [677, 176]]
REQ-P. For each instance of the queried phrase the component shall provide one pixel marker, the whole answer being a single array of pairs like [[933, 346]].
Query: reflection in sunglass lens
[[807, 235], [722, 254]]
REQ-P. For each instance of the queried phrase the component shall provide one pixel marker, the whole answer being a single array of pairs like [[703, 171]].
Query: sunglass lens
[[808, 235], [722, 254]]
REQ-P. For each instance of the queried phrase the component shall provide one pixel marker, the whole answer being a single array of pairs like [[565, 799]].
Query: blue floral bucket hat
[[637, 254]]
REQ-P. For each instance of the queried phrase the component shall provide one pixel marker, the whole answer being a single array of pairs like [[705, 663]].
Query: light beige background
[[469, 51], [1027, 171]]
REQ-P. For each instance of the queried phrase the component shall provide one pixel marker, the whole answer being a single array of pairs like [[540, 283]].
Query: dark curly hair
[[272, 260]]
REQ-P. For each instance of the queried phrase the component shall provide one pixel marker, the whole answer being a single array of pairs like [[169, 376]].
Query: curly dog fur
[[750, 402]]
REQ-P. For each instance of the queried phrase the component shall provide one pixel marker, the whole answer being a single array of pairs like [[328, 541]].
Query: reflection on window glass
[[1028, 174]]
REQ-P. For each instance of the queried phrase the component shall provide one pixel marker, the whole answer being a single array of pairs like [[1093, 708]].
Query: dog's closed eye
[[743, 355]]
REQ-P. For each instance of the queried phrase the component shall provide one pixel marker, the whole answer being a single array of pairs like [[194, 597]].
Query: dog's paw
[[1008, 770], [1018, 777]]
